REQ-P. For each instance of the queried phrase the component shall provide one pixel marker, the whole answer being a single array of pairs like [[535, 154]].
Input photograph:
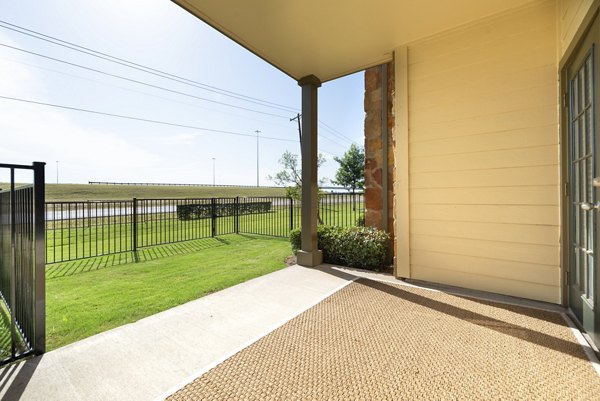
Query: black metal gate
[[22, 265]]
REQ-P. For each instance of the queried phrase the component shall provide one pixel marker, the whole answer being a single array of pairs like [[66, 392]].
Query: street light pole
[[257, 179], [213, 171], [57, 171]]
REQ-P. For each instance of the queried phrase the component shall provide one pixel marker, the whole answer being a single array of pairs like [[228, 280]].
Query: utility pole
[[213, 171], [257, 179], [57, 171], [299, 126]]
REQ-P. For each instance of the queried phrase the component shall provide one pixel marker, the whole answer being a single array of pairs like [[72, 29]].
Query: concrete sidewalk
[[146, 359]]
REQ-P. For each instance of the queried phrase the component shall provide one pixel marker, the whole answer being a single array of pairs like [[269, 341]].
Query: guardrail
[[166, 184]]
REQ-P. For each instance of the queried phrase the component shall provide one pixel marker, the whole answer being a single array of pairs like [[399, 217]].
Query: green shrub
[[360, 222], [323, 235], [295, 239], [364, 247]]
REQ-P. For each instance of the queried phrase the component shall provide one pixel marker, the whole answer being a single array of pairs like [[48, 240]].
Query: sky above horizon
[[160, 35]]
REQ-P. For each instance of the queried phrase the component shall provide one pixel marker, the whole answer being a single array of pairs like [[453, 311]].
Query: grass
[[5, 335], [80, 238], [81, 305], [63, 269], [82, 192]]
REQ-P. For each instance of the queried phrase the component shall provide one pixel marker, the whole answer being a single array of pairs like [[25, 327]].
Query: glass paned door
[[584, 183], [583, 202]]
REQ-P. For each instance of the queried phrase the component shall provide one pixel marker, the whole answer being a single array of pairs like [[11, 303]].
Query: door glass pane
[[576, 138], [588, 81], [588, 127], [590, 285], [576, 269], [580, 86]]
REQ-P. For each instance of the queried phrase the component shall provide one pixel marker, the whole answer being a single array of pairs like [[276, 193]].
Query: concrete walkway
[[146, 359]]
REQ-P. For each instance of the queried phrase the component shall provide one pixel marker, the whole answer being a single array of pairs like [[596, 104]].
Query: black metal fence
[[22, 266], [77, 230]]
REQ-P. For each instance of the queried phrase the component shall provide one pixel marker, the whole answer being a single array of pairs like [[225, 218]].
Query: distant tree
[[351, 173], [291, 176]]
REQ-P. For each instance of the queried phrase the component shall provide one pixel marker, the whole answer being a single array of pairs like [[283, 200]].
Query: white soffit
[[329, 38]]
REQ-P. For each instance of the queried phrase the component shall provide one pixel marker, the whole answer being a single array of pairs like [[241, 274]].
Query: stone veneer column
[[374, 148]]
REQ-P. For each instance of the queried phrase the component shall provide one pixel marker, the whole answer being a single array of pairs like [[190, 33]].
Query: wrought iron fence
[[77, 230], [22, 265]]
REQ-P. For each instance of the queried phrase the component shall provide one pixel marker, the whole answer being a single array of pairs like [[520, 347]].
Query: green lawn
[[82, 192], [81, 305]]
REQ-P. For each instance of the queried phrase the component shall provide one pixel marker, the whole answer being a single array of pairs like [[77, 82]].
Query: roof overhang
[[330, 39]]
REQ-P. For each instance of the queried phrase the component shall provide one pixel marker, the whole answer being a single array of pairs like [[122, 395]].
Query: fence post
[[237, 214], [291, 213], [39, 199], [135, 230], [13, 269], [213, 216]]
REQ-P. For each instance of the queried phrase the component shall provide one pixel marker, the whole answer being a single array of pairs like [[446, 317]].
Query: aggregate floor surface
[[378, 340]]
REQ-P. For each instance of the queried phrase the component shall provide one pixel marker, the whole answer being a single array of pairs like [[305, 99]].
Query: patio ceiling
[[330, 39]]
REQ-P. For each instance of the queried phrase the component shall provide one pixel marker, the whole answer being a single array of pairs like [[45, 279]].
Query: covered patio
[[325, 333], [494, 293], [492, 183]]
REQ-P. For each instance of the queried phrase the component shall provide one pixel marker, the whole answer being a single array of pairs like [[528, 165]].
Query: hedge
[[363, 247], [205, 210]]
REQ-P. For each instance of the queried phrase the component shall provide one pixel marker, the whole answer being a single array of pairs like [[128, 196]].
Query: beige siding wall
[[484, 155], [570, 17]]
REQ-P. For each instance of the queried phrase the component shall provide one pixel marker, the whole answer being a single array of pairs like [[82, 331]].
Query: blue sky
[[157, 34]]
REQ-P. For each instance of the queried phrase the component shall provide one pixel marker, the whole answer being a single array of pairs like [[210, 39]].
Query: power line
[[140, 67], [139, 82], [336, 140], [335, 132], [133, 90], [141, 119], [156, 96], [298, 119], [143, 93], [154, 71]]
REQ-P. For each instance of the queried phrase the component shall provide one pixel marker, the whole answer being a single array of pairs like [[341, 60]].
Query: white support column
[[309, 255]]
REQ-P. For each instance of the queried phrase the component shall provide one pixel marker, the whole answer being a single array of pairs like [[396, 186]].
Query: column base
[[309, 259]]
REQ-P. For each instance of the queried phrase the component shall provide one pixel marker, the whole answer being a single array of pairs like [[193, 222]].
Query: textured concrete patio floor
[[156, 356], [375, 340]]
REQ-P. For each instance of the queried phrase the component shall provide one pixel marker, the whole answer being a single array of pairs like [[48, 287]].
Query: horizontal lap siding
[[571, 14], [484, 156]]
